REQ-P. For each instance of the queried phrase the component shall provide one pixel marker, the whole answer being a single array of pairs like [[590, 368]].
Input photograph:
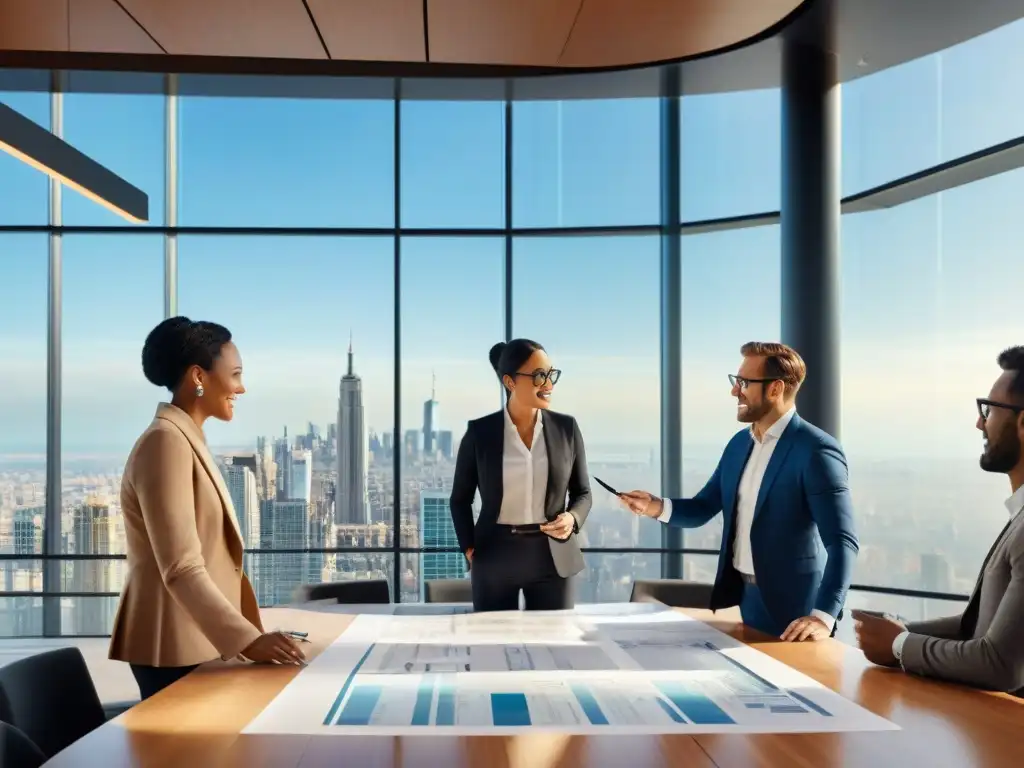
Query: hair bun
[[162, 349], [495, 355]]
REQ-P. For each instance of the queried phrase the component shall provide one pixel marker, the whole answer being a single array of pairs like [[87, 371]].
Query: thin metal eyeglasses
[[985, 407], [542, 377], [743, 383]]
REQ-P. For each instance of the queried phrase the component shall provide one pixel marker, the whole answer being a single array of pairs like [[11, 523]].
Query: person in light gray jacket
[[984, 646]]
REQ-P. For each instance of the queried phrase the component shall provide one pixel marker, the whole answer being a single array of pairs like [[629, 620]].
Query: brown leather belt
[[748, 579]]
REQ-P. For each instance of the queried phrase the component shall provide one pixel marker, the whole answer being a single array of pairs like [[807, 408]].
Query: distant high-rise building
[[241, 483], [431, 422], [413, 443], [17, 615], [350, 497], [302, 475], [936, 573], [283, 525], [94, 529], [444, 443], [438, 531], [28, 533], [283, 459]]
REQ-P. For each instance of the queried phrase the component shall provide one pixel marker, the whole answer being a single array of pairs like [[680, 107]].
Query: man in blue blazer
[[782, 484]]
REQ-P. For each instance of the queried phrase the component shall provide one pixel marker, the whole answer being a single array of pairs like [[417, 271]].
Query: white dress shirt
[[749, 487], [524, 475], [1014, 505]]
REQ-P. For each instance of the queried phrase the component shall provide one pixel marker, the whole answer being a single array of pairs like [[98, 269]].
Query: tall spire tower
[[431, 419], [350, 496]]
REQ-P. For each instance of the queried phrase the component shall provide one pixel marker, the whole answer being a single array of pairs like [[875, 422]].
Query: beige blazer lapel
[[198, 441]]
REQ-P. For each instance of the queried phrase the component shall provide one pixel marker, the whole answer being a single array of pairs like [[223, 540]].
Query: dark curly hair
[[177, 344]]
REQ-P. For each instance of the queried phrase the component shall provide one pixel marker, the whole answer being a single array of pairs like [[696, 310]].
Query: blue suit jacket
[[803, 538]]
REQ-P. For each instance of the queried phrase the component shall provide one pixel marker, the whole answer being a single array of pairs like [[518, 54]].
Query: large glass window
[[313, 320], [585, 163], [452, 312], [927, 306], [933, 109], [453, 164], [266, 162], [23, 189], [731, 295], [310, 457], [23, 269], [125, 134], [113, 296], [577, 297], [730, 154]]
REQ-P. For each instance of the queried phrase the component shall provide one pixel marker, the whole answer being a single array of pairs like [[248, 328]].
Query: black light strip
[[37, 147]]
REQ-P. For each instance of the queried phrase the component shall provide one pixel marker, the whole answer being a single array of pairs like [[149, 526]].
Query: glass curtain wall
[[367, 253]]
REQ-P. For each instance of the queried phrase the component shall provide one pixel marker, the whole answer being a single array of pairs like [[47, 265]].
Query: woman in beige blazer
[[185, 598]]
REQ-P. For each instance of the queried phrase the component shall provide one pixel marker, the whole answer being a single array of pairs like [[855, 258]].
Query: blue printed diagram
[[486, 702], [719, 692], [479, 674]]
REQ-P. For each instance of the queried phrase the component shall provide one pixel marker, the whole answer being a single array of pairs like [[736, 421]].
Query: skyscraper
[[94, 528], [283, 525], [439, 532], [283, 458], [241, 483], [302, 475], [431, 420], [350, 497]]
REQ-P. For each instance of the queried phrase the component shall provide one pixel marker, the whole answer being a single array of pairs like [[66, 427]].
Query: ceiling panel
[[512, 32], [621, 32], [40, 25], [371, 30], [102, 26], [263, 28]]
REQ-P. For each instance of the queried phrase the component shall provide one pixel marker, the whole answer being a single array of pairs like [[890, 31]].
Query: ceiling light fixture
[[37, 147]]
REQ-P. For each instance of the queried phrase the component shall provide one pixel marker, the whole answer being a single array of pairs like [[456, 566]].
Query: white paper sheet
[[596, 670]]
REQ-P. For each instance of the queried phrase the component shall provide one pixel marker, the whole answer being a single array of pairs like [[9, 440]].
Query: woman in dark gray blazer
[[530, 467]]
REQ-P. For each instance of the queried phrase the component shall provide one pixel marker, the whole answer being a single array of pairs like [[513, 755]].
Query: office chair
[[672, 592], [17, 750], [448, 591], [356, 592], [51, 698]]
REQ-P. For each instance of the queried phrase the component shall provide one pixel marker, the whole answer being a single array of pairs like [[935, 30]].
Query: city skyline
[[922, 316]]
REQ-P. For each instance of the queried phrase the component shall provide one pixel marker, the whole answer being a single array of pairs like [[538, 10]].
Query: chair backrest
[[17, 750], [356, 592], [674, 592], [448, 590], [51, 698]]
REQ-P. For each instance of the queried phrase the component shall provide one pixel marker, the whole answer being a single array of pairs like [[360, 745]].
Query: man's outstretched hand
[[642, 503]]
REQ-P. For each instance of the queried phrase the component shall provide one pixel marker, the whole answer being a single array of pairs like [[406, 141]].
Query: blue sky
[[923, 309]]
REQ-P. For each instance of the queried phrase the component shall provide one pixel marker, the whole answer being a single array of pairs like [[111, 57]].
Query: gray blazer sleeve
[[994, 661], [947, 627]]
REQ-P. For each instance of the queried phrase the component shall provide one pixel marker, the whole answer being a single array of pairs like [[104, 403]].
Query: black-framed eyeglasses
[[985, 407], [743, 383], [542, 377]]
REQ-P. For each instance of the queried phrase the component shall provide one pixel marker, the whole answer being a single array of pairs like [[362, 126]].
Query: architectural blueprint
[[594, 670]]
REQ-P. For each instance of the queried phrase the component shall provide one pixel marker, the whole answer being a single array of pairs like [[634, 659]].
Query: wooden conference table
[[196, 723]]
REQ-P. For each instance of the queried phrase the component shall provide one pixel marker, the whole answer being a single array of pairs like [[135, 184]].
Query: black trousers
[[152, 680], [509, 563]]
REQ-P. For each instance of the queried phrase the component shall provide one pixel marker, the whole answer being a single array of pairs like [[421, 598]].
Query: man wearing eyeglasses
[[983, 646], [782, 484]]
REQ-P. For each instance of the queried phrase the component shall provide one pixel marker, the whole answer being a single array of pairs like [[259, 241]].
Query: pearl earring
[[199, 390]]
